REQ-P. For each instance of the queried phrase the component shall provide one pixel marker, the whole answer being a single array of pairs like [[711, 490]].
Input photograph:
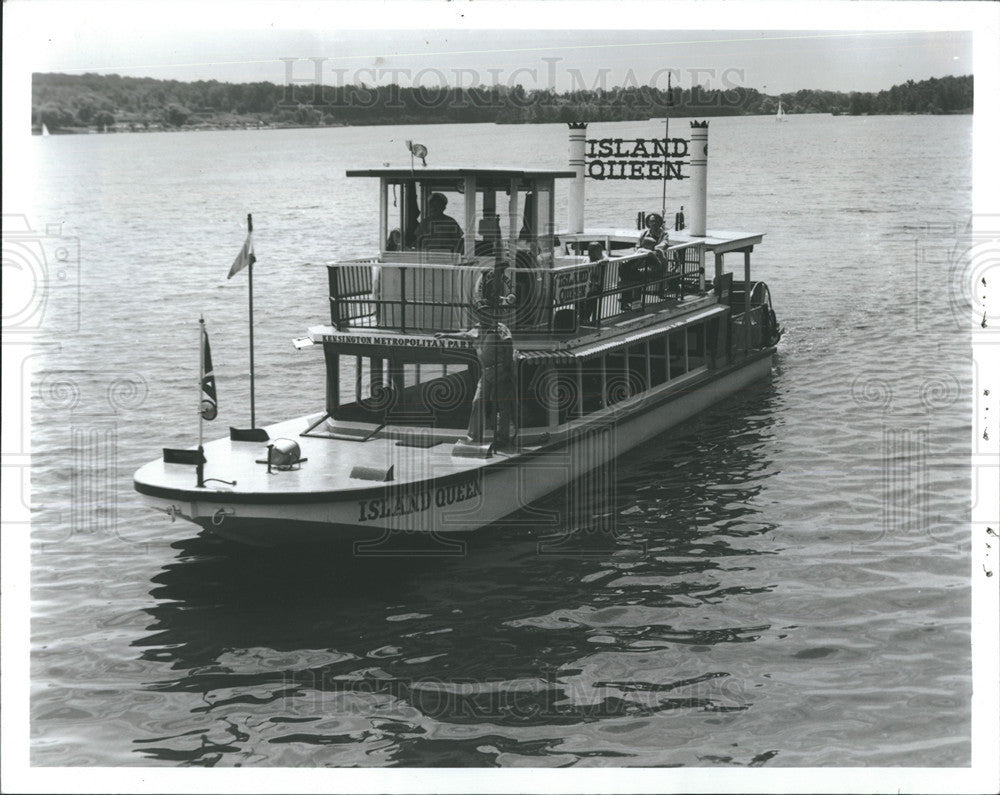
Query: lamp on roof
[[417, 150]]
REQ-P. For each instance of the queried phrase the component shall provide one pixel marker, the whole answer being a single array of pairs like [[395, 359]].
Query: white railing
[[394, 292]]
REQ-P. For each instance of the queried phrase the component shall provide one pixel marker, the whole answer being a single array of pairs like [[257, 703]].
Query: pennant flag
[[244, 258], [209, 401]]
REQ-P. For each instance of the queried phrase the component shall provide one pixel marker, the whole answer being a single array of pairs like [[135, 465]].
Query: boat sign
[[419, 501], [636, 158], [395, 341], [572, 286]]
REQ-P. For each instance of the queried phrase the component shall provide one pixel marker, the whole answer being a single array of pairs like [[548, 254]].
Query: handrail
[[431, 296]]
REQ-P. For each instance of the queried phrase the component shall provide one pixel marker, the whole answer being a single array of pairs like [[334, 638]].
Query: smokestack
[[699, 176], [577, 162]]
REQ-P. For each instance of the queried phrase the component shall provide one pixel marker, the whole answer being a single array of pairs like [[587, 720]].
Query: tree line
[[73, 102]]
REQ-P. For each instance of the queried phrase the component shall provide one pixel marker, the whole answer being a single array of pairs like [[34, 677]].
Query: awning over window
[[614, 343]]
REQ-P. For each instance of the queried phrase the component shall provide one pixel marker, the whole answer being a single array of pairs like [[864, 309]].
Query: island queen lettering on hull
[[636, 158], [419, 501]]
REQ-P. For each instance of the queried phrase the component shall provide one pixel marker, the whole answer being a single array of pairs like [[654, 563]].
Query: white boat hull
[[381, 515]]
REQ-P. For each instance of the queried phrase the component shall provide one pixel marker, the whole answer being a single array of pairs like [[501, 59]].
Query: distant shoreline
[[91, 103], [251, 127]]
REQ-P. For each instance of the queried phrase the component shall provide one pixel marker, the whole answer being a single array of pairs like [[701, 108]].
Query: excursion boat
[[477, 363]]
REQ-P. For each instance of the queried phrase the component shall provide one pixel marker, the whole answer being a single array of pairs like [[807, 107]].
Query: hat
[[438, 198], [651, 216]]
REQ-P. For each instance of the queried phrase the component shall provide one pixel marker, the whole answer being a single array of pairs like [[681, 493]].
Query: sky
[[466, 43]]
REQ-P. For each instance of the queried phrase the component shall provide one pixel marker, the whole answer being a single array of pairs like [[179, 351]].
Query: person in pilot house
[[437, 231]]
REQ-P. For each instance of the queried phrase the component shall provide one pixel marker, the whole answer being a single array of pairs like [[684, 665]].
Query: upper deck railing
[[443, 292]]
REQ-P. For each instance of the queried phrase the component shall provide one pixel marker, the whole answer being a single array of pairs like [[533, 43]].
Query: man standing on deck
[[494, 396]]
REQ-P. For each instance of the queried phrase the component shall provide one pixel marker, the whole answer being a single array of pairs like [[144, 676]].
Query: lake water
[[789, 581]]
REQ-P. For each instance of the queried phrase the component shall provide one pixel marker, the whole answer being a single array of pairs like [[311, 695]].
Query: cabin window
[[697, 355], [361, 377], [591, 384], [616, 377], [658, 372], [553, 394], [717, 328], [415, 223], [638, 374], [538, 221], [434, 394], [531, 411], [677, 345], [568, 392]]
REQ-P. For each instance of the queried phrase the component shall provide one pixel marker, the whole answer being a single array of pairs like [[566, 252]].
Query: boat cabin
[[490, 206], [595, 321]]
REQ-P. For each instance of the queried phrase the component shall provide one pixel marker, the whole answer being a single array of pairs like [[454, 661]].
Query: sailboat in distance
[[781, 113]]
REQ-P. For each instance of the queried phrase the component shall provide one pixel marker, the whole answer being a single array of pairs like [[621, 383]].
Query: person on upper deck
[[437, 231], [654, 236], [654, 239]]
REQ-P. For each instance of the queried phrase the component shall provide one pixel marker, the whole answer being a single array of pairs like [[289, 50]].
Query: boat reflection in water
[[329, 658]]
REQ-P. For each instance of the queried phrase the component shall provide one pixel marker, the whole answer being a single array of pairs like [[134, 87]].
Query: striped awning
[[561, 355]]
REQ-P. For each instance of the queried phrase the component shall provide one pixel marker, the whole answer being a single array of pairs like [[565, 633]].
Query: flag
[[244, 258], [209, 402]]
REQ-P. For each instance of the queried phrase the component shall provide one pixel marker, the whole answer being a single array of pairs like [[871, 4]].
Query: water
[[788, 583]]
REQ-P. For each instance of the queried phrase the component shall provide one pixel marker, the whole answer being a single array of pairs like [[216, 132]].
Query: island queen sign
[[638, 158]]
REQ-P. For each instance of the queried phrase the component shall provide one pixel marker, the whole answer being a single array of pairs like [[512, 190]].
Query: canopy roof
[[482, 175]]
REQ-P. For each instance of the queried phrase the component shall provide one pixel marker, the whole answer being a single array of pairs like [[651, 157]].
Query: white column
[[577, 162], [699, 176]]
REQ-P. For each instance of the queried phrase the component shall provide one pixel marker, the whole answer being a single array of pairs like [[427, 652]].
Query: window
[[697, 355], [416, 222], [378, 389], [531, 411], [591, 371], [553, 394], [677, 345], [638, 377], [658, 361], [616, 378]]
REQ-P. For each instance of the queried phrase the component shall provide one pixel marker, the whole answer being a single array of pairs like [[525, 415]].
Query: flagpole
[[200, 468], [253, 408], [666, 145]]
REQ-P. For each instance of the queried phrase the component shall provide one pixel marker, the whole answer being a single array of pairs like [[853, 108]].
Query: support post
[[253, 407], [200, 467], [746, 302]]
